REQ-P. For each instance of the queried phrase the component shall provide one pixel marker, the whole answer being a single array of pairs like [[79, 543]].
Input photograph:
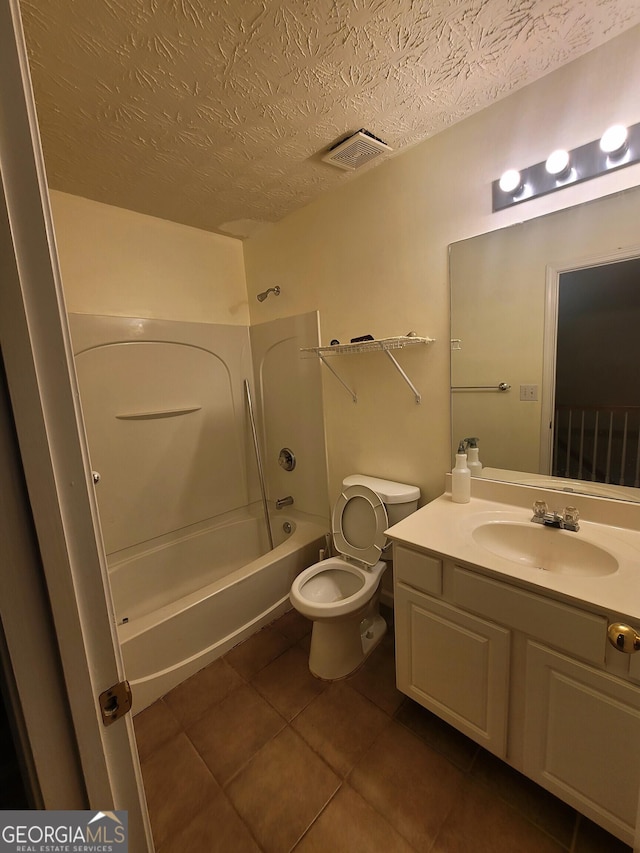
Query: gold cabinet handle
[[623, 637]]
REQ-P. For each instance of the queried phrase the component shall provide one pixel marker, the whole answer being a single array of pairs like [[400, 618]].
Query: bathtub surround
[[190, 565], [162, 404], [164, 409], [289, 410]]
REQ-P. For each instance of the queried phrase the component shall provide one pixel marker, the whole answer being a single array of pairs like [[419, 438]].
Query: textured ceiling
[[215, 113]]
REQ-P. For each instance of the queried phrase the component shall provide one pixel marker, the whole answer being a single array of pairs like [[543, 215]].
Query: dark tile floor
[[255, 754]]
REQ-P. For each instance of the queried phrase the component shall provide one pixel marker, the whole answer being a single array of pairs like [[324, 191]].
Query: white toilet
[[340, 595]]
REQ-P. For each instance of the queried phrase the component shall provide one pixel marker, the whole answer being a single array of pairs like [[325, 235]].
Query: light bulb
[[614, 140], [510, 181], [558, 163]]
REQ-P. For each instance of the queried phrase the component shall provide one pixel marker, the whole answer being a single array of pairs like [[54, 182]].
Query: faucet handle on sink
[[570, 518], [540, 509]]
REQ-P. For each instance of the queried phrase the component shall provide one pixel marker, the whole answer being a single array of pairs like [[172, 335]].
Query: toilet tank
[[399, 499]]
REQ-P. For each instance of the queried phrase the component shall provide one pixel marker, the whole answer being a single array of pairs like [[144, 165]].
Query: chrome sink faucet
[[566, 519]]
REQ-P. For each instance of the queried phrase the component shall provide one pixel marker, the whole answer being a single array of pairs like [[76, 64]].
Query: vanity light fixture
[[511, 182], [618, 147], [558, 164], [615, 141]]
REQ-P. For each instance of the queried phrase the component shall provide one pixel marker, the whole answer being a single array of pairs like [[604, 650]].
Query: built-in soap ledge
[[574, 631], [420, 571], [160, 413]]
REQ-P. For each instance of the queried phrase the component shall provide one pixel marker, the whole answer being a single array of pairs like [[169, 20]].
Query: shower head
[[262, 296]]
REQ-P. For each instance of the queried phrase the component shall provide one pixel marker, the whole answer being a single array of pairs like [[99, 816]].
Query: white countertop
[[445, 527]]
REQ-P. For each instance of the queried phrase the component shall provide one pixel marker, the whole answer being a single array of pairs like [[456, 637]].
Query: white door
[[38, 363]]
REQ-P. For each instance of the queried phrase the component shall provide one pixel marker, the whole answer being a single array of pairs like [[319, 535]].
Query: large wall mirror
[[545, 353]]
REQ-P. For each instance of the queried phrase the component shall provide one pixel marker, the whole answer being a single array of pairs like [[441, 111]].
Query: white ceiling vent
[[355, 151]]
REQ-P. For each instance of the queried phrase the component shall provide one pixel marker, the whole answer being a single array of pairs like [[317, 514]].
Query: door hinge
[[115, 702]]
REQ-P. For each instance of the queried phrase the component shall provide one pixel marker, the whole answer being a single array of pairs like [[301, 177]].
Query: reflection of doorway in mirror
[[596, 409]]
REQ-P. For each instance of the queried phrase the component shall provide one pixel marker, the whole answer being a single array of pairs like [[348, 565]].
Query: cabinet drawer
[[575, 631], [417, 570]]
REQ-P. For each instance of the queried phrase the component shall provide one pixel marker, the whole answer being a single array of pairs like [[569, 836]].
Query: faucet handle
[[570, 515], [540, 509]]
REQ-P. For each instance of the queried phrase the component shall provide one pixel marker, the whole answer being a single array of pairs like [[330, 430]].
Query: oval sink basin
[[545, 548]]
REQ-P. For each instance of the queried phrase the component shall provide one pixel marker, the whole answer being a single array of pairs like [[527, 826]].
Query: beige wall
[[372, 256], [115, 261]]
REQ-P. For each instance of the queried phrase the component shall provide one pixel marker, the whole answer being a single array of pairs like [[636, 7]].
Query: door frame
[[44, 399]]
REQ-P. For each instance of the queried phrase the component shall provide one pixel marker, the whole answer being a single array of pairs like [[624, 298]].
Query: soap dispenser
[[474, 463], [461, 478]]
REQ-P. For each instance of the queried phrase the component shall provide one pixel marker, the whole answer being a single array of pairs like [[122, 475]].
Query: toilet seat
[[329, 606], [358, 524]]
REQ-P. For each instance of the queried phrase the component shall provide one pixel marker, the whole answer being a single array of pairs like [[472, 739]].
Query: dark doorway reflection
[[597, 404]]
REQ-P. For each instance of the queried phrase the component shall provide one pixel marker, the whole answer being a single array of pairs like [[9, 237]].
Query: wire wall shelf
[[398, 342], [380, 345]]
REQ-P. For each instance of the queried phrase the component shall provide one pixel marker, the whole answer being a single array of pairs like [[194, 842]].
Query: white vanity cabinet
[[454, 664], [526, 676], [582, 737]]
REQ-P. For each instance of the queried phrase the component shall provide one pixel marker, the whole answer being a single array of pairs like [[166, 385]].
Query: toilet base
[[338, 648], [372, 633]]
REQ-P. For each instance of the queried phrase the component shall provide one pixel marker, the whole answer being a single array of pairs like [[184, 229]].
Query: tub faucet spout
[[282, 502]]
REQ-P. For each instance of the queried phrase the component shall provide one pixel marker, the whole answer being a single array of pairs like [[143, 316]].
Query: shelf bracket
[[341, 381], [404, 376]]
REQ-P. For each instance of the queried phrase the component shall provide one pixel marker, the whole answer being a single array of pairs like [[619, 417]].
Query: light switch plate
[[529, 393]]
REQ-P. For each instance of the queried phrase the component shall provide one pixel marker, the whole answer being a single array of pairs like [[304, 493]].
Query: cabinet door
[[582, 738], [454, 664]]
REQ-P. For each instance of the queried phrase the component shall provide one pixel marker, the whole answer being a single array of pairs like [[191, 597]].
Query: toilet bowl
[[341, 594]]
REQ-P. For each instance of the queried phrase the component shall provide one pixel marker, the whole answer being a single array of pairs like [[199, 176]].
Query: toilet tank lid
[[389, 491]]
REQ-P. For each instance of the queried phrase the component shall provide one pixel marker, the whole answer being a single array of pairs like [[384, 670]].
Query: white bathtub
[[188, 600]]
